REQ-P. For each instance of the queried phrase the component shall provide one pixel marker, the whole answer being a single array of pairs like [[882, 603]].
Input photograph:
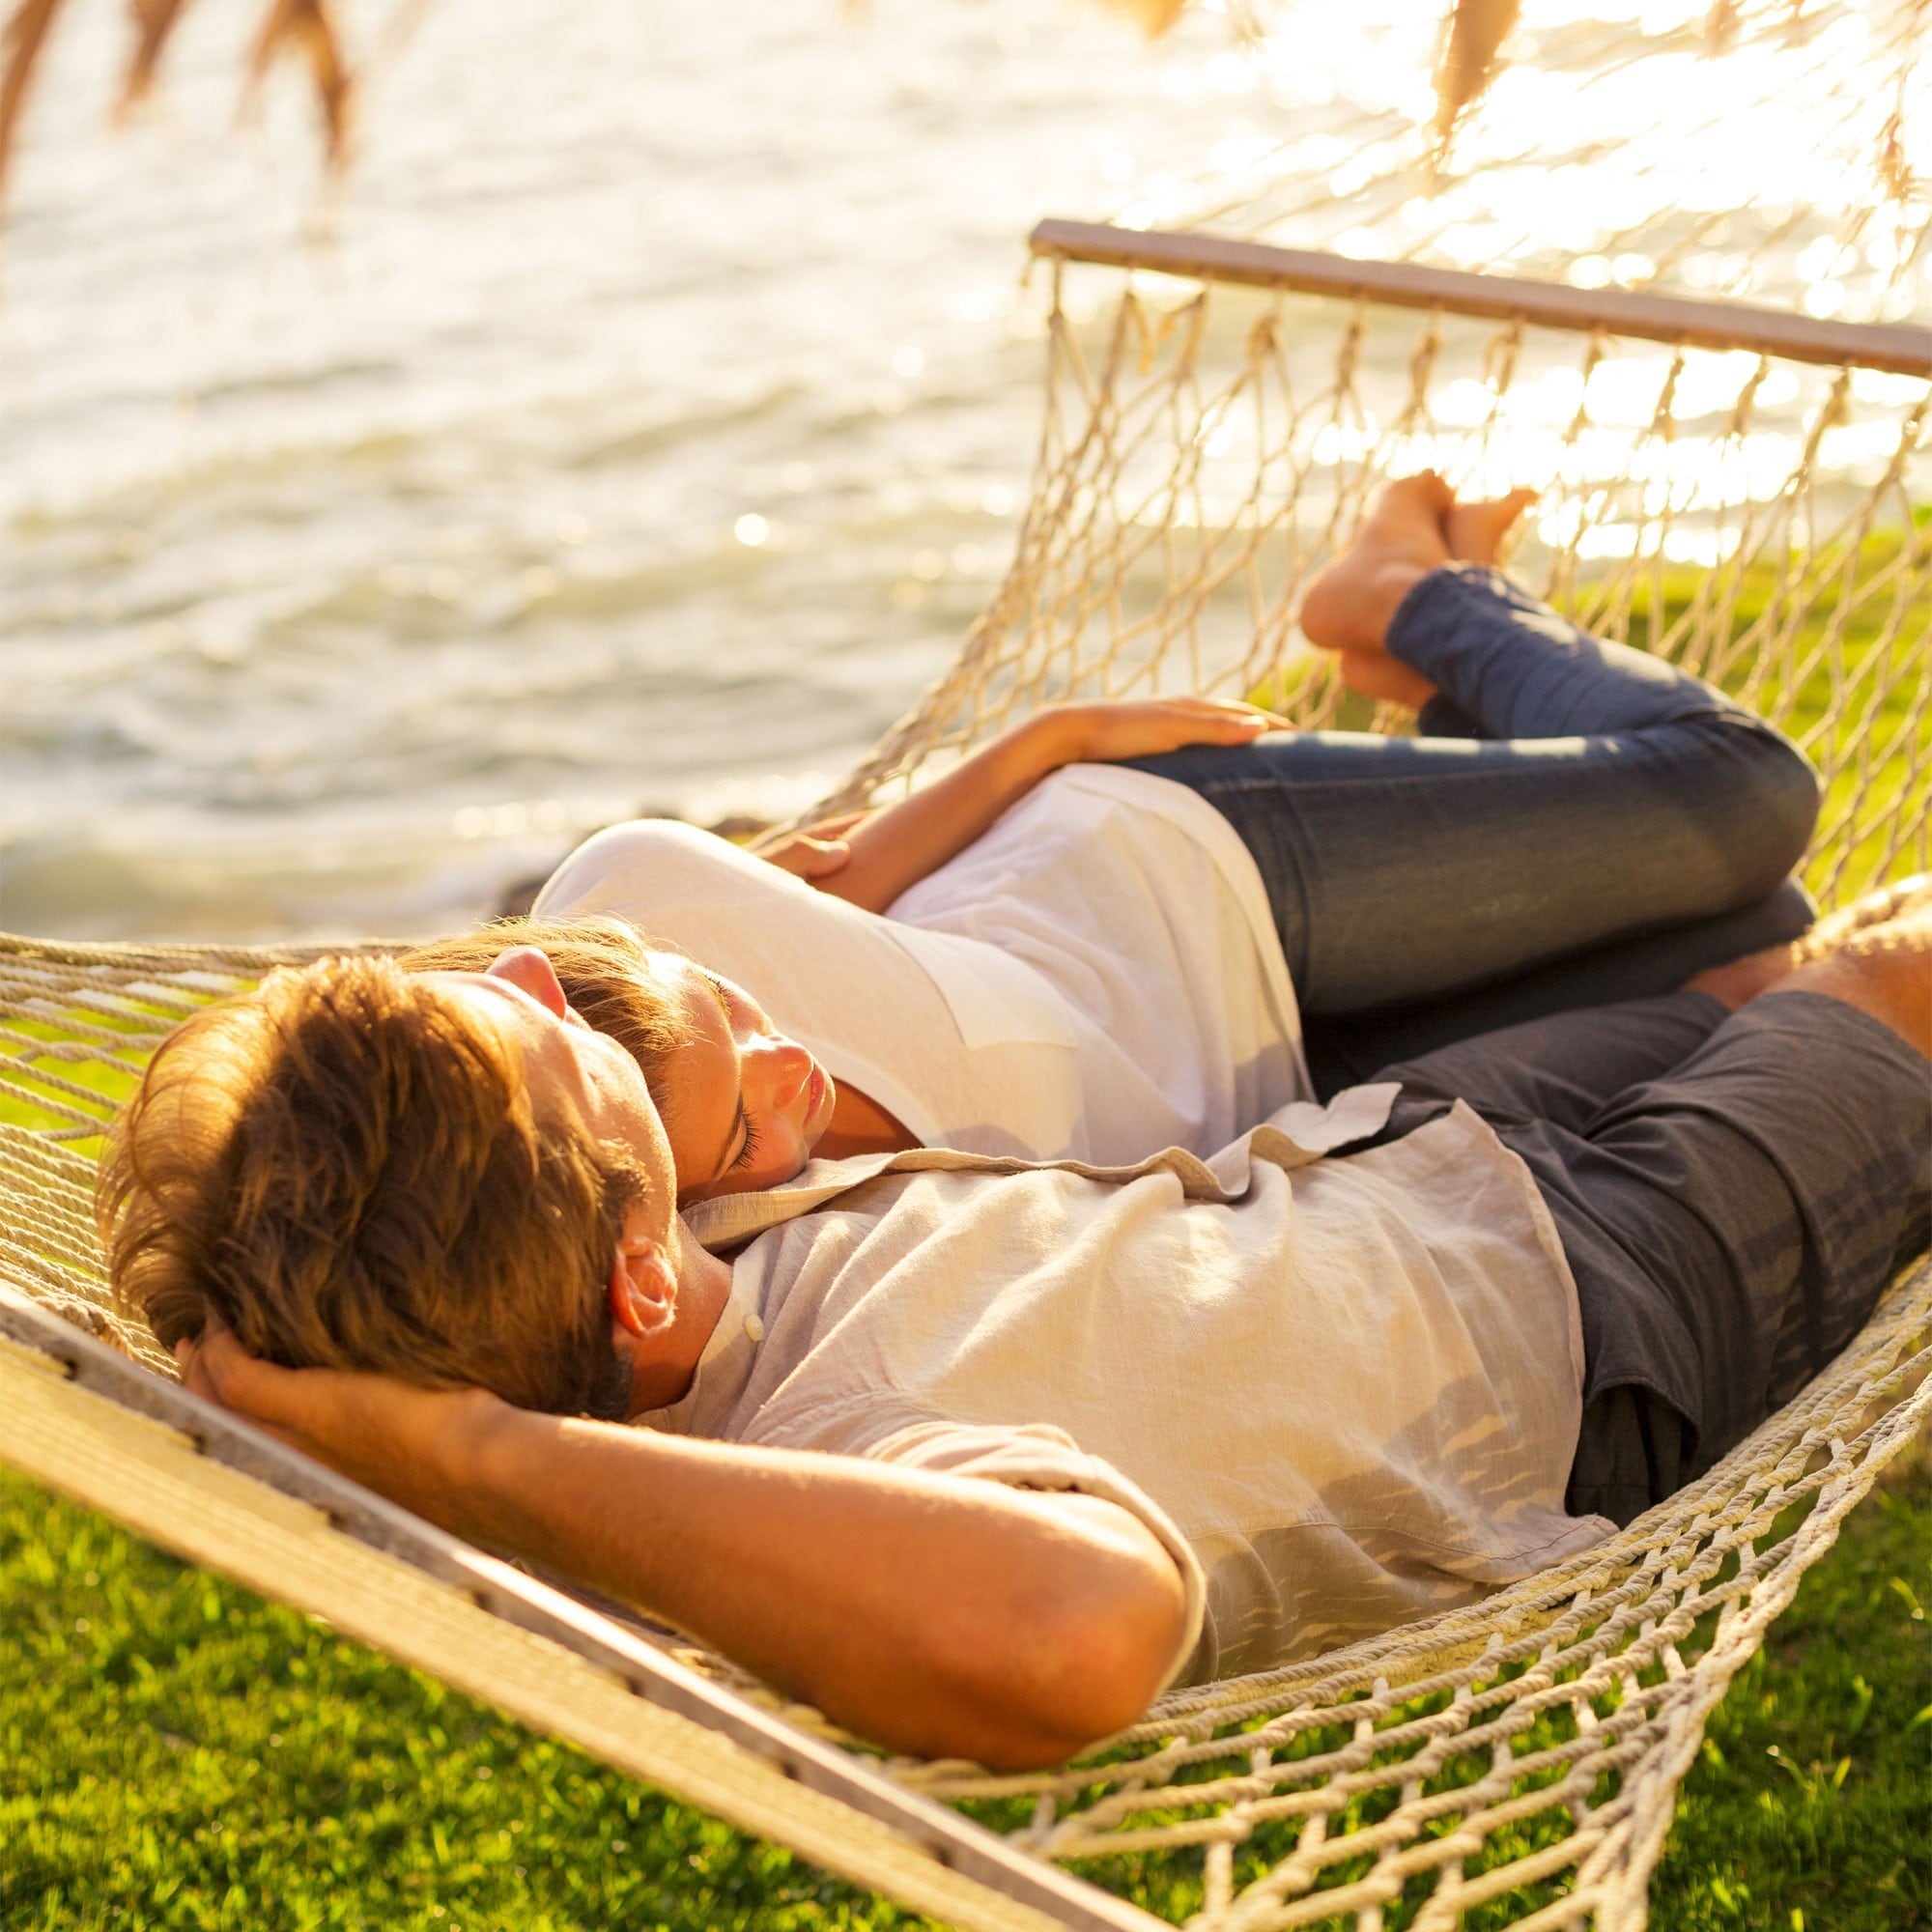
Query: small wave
[[303, 381], [650, 439], [407, 880]]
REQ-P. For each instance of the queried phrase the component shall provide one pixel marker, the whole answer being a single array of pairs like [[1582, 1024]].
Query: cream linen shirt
[[1343, 1392]]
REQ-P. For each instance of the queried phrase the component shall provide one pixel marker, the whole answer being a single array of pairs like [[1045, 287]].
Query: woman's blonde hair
[[347, 1171]]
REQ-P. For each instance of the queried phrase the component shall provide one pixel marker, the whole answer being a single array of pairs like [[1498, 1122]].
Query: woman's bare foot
[[1478, 533], [1416, 527], [1348, 606], [1386, 679]]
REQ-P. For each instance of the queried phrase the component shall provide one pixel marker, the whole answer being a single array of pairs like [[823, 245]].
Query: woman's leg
[[1610, 795], [1344, 1049]]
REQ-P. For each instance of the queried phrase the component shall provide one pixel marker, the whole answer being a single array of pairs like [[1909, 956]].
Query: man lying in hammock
[[977, 1455]]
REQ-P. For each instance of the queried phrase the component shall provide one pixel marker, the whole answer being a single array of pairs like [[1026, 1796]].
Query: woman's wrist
[[1055, 735]]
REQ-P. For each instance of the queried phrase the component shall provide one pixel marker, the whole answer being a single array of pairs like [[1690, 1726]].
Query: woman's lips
[[819, 1098]]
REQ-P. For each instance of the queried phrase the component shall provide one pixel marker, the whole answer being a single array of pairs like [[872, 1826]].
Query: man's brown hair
[[345, 1170]]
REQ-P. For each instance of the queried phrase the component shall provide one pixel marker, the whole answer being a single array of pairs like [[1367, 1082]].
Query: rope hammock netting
[[1210, 433], [1743, 511], [1737, 489]]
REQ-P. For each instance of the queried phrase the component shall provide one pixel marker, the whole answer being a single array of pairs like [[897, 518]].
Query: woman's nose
[[787, 1067]]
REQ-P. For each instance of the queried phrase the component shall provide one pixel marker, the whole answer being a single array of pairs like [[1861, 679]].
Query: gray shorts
[[1733, 1192]]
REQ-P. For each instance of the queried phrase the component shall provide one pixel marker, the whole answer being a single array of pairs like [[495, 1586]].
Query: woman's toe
[[1478, 532]]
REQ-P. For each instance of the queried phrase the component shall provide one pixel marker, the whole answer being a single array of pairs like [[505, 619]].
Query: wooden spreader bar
[[1899, 349]]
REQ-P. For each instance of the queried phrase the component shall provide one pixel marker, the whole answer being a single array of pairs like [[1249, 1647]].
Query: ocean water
[[637, 424]]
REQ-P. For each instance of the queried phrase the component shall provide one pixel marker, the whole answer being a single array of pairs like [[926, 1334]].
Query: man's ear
[[641, 1287]]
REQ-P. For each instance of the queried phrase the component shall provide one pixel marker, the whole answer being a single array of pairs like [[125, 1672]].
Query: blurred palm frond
[[1153, 17], [300, 28], [153, 21], [20, 46], [1472, 37]]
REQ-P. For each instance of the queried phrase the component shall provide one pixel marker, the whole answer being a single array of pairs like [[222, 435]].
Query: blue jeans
[[1578, 823]]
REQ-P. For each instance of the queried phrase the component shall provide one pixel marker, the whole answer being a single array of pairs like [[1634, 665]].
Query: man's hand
[[412, 1444], [813, 852], [1107, 730]]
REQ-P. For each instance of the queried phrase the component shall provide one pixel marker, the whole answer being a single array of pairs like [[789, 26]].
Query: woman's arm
[[886, 852]]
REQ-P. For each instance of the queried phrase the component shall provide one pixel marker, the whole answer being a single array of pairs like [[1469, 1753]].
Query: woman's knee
[[1771, 808], [1799, 795]]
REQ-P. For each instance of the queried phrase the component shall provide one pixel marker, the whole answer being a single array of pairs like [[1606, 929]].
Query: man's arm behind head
[[935, 1613]]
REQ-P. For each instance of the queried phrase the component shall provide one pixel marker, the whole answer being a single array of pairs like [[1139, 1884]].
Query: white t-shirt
[[1343, 1393], [1095, 977]]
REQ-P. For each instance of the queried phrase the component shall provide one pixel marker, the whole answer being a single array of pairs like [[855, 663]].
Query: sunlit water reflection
[[646, 414]]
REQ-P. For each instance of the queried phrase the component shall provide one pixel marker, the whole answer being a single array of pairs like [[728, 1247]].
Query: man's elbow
[[1091, 1663]]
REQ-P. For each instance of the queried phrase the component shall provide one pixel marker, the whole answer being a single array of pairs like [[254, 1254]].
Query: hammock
[[1728, 486]]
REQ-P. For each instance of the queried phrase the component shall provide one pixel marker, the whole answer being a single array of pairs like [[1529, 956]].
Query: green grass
[[176, 1753], [113, 1080], [1810, 1807]]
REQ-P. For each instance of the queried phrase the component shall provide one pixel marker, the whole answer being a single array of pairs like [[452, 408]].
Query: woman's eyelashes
[[753, 1140]]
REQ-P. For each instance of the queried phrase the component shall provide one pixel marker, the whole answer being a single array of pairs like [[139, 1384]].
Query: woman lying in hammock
[[1105, 932]]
